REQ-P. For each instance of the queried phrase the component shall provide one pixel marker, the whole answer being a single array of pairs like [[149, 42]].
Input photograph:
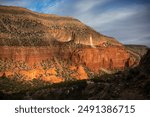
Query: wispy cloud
[[107, 17], [132, 29], [21, 3], [86, 5]]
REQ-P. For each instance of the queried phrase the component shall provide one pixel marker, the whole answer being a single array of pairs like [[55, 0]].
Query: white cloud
[[106, 17], [86, 5], [53, 8], [14, 3]]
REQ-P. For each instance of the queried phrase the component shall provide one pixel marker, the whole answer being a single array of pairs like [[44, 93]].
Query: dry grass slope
[[20, 26]]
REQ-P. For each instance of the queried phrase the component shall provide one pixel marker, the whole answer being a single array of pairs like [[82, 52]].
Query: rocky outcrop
[[109, 58], [31, 44]]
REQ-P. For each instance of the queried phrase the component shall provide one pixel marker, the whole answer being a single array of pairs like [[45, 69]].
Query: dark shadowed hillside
[[139, 49]]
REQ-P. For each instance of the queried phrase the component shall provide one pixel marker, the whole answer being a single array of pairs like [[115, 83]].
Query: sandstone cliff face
[[31, 44], [110, 58]]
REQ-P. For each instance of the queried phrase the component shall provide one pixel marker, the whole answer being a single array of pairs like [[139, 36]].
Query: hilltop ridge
[[20, 26]]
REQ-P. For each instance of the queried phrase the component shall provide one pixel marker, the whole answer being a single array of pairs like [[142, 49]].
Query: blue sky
[[126, 20]]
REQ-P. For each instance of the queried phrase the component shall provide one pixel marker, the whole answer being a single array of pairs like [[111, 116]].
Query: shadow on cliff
[[129, 84]]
